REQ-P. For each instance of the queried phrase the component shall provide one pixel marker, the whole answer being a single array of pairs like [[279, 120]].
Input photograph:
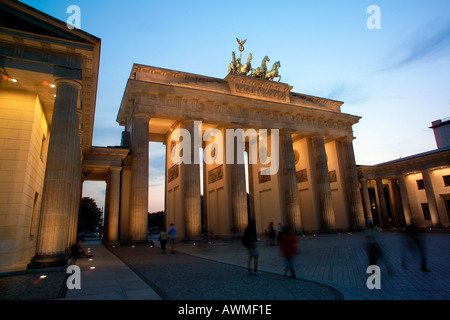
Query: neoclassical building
[[47, 105], [316, 186], [411, 190]]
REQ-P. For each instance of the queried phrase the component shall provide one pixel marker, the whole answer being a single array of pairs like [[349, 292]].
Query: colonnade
[[397, 199], [225, 210]]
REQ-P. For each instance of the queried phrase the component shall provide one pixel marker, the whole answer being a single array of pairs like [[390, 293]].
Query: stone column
[[190, 174], [125, 184], [114, 201], [288, 182], [405, 200], [57, 204], [397, 216], [323, 184], [383, 205], [139, 179], [432, 205], [238, 192], [251, 189], [366, 199], [205, 198], [354, 200]]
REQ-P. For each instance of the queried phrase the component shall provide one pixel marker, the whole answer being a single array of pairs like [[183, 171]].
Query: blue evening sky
[[396, 78]]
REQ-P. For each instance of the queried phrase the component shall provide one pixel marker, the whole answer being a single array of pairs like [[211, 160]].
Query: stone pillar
[[432, 205], [323, 184], [251, 190], [205, 198], [405, 200], [190, 174], [288, 182], [366, 199], [57, 204], [139, 179], [125, 185], [383, 205], [114, 202], [354, 200], [397, 216], [238, 192]]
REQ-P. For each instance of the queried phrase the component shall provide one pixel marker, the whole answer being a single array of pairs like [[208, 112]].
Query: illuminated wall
[[24, 136]]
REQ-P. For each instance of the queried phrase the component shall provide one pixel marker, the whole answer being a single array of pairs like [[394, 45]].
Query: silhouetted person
[[280, 231], [272, 234], [250, 241], [372, 245], [414, 242], [78, 251], [163, 239], [374, 252], [288, 249]]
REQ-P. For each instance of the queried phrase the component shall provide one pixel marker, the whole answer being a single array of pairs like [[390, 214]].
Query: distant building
[[441, 130], [412, 190]]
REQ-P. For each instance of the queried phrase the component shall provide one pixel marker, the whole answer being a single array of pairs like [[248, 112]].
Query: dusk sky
[[397, 78]]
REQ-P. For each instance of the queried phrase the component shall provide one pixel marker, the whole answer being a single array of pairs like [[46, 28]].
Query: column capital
[[115, 168], [141, 114], [68, 81]]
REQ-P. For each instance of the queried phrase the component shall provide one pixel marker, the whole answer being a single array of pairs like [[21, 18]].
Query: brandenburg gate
[[314, 186]]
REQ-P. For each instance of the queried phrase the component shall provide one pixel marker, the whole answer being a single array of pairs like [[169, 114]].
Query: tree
[[90, 214]]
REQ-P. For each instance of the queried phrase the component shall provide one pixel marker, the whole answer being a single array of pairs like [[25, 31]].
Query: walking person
[[173, 235], [373, 247], [163, 239], [250, 240], [280, 231], [271, 234], [288, 250], [414, 243]]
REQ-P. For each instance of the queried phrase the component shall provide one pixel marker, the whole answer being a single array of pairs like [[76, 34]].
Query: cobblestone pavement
[[183, 276], [329, 266], [340, 260]]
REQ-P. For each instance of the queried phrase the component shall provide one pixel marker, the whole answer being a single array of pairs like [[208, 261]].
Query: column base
[[48, 261]]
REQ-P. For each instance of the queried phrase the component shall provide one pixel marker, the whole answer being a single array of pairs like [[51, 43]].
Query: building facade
[[315, 187], [47, 102], [410, 191]]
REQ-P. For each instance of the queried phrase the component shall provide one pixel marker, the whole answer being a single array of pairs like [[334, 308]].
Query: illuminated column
[[288, 182], [383, 205], [114, 202], [323, 184], [77, 185], [57, 197], [354, 200], [238, 189], [405, 200], [190, 174], [251, 190], [366, 199], [125, 191], [139, 179], [432, 205]]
